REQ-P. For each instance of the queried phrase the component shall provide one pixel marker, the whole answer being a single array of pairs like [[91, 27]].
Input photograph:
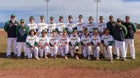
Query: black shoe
[[8, 56]]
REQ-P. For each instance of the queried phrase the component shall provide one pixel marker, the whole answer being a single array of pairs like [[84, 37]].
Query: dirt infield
[[68, 72]]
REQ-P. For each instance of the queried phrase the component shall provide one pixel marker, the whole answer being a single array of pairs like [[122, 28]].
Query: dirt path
[[68, 73]]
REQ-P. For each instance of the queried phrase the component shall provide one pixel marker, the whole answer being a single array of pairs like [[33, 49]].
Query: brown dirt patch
[[67, 72]]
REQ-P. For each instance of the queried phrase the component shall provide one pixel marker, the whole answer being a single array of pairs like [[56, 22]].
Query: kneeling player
[[63, 44], [53, 41], [74, 44], [107, 41], [44, 44], [95, 41], [32, 43], [85, 41]]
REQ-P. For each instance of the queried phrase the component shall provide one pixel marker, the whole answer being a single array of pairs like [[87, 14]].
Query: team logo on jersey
[[79, 24], [16, 24], [120, 28], [24, 30], [129, 26], [70, 25]]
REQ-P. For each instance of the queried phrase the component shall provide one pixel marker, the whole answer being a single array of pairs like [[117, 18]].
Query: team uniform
[[86, 48], [110, 26], [101, 27], [10, 28], [80, 28], [107, 40], [51, 27], [91, 26], [30, 42], [42, 26], [64, 48], [60, 27], [95, 41], [119, 32], [74, 42], [44, 46], [70, 27], [131, 28], [21, 32], [53, 41], [33, 26]]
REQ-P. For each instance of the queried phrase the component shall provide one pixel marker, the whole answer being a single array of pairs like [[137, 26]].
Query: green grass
[[71, 62]]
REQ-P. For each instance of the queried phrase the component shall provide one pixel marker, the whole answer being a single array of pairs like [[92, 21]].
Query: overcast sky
[[25, 8]]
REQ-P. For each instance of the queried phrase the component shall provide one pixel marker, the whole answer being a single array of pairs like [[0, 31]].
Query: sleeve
[[111, 41], [134, 27], [6, 26], [125, 30], [27, 42], [36, 41], [17, 34], [77, 42]]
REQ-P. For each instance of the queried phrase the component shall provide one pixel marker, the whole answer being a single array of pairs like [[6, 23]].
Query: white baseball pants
[[19, 48], [30, 53]]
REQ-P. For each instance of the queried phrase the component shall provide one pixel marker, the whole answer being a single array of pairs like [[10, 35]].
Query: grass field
[[71, 62]]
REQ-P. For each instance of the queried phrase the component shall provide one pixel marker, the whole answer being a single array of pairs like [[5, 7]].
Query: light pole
[[97, 1], [47, 1]]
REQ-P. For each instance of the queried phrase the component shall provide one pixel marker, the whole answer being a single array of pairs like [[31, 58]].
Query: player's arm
[[17, 33], [6, 26], [28, 43], [134, 27], [125, 30]]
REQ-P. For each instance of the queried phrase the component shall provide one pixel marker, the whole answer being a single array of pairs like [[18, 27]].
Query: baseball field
[[71, 68]]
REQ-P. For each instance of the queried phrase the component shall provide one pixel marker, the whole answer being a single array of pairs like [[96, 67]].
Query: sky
[[26, 8]]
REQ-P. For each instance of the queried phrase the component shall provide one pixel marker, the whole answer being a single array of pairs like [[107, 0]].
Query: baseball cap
[[95, 29], [22, 20], [52, 17], [107, 30], [101, 17], [31, 17], [119, 20], [44, 31], [70, 16], [12, 15], [127, 17], [61, 17], [90, 17], [80, 16], [42, 16], [111, 16]]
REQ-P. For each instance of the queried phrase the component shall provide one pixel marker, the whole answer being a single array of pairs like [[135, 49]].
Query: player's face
[[32, 33], [54, 33], [70, 19], [127, 20], [42, 20], [51, 20], [107, 33], [119, 23], [95, 33], [90, 20], [22, 23], [43, 34], [75, 33], [64, 33], [101, 20], [31, 20], [111, 19], [13, 19], [61, 20], [80, 19]]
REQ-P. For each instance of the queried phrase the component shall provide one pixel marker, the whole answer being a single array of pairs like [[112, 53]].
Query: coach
[[10, 27], [119, 32]]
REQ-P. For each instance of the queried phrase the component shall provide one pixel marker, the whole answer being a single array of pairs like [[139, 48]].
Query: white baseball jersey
[[31, 40], [91, 26], [51, 27], [43, 40], [74, 39], [63, 40], [42, 26], [85, 40], [95, 39], [53, 39], [107, 39], [70, 26], [80, 26], [32, 26], [101, 26], [61, 27]]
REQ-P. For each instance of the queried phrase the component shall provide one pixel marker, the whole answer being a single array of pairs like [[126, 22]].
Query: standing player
[[10, 28], [85, 41], [32, 44], [32, 24], [21, 32], [90, 25], [95, 41], [42, 25], [44, 44], [70, 25], [61, 25], [107, 41], [64, 44], [101, 26], [80, 26], [131, 28], [111, 24], [51, 25], [74, 44], [119, 32], [53, 41]]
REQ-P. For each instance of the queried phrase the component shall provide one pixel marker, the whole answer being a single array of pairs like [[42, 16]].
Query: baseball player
[[90, 25], [101, 26], [131, 28], [70, 25], [22, 31], [119, 32], [111, 24], [32, 44], [107, 41], [61, 25], [42, 25], [95, 41], [85, 41], [51, 25], [44, 44], [10, 27], [53, 41], [32, 24], [80, 26], [64, 44], [74, 44]]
